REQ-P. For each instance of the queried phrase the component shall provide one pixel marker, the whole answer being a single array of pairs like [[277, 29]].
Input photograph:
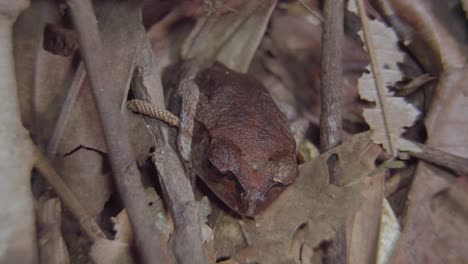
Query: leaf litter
[[278, 43]]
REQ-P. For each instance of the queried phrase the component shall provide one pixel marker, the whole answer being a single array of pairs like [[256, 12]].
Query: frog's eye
[[277, 180]]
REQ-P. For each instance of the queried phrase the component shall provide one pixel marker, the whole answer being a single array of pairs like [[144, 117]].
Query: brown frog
[[241, 145]]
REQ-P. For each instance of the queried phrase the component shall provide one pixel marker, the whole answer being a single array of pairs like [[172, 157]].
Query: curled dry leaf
[[433, 32], [391, 114]]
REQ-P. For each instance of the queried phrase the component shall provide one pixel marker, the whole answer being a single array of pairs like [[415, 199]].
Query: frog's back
[[238, 108]]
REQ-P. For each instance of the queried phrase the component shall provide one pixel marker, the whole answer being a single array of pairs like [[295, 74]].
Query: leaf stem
[[376, 72]]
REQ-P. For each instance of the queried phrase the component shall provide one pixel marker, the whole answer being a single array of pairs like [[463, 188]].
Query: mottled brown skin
[[242, 148]]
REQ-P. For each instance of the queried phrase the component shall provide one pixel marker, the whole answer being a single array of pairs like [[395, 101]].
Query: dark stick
[[457, 164], [126, 174], [331, 107], [331, 77]]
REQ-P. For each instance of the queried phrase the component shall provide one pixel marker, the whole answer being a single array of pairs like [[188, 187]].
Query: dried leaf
[[373, 231], [363, 230], [391, 114], [436, 223], [434, 31], [436, 226]]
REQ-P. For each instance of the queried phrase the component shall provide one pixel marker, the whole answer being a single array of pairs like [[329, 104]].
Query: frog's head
[[258, 180]]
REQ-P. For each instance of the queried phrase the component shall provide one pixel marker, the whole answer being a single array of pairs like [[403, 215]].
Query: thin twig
[[86, 221], [331, 77], [65, 111], [311, 11], [376, 72], [126, 174], [455, 163], [331, 106]]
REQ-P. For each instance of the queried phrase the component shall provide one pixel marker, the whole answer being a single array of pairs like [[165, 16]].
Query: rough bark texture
[[331, 105], [331, 76]]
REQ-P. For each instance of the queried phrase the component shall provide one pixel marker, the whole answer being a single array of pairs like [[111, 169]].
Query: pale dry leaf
[[372, 233], [391, 114], [122, 227], [363, 230]]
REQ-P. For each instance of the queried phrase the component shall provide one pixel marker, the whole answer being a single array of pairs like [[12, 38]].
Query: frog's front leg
[[189, 92]]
